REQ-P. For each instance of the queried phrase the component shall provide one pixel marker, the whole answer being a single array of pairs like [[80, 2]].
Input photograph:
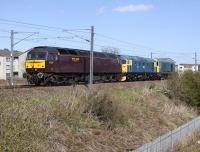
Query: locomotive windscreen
[[37, 56]]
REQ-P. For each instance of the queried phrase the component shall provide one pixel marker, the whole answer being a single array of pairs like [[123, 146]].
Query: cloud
[[134, 8], [101, 10]]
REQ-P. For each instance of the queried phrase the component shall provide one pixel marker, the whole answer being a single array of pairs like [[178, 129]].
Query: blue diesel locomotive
[[139, 68]]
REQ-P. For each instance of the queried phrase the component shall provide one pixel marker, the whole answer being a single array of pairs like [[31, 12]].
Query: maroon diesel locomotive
[[53, 65]]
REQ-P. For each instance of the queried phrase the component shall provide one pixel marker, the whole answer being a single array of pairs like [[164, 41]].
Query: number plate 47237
[[75, 59]]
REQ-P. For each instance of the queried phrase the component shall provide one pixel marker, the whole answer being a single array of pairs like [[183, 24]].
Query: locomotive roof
[[73, 51], [165, 60], [137, 58], [99, 54]]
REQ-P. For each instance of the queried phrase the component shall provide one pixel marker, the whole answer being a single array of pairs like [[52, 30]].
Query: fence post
[[171, 140], [160, 145], [156, 147], [148, 147]]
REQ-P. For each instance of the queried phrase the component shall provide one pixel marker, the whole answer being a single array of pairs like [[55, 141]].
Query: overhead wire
[[3, 30], [135, 46], [125, 42], [48, 28], [39, 25], [86, 31], [44, 27]]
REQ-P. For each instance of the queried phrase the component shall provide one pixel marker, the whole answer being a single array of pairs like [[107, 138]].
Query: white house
[[21, 64], [186, 67], [2, 67], [18, 64]]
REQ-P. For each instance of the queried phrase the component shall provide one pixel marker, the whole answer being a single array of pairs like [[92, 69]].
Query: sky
[[167, 28]]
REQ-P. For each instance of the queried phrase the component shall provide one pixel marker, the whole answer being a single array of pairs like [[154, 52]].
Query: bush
[[185, 87], [107, 108]]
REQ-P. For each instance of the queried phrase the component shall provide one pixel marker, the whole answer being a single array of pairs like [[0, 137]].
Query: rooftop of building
[[188, 65], [6, 53]]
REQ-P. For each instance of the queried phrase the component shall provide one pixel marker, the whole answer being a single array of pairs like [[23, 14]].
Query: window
[[7, 67], [7, 76], [15, 74], [72, 52], [100, 55], [52, 57], [15, 58], [8, 59], [113, 56], [129, 62], [63, 51], [123, 61], [67, 51], [84, 53], [36, 56]]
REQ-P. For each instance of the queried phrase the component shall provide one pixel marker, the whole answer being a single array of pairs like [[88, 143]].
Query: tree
[[112, 50]]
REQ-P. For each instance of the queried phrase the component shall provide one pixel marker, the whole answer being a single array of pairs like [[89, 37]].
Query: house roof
[[189, 65], [6, 53], [165, 59]]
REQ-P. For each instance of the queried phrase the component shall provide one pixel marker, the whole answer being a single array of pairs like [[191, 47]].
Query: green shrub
[[174, 86], [185, 87]]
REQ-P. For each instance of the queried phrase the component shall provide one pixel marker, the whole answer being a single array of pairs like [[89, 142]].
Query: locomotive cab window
[[123, 61], [63, 51], [52, 57], [36, 56], [73, 52]]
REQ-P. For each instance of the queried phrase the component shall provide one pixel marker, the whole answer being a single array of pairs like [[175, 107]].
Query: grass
[[16, 82], [190, 144], [81, 119]]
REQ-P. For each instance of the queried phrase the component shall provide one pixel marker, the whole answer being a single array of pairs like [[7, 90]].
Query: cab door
[[52, 63], [124, 69], [157, 66]]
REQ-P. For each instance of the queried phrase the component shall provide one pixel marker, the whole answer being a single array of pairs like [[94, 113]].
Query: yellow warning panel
[[35, 64], [124, 68], [124, 71]]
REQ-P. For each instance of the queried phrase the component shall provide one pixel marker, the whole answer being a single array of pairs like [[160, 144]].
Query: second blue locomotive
[[139, 68]]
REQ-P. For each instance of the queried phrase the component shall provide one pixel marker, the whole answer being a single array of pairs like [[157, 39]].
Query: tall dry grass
[[189, 144], [78, 119]]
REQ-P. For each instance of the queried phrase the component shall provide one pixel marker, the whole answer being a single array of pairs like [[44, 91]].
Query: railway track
[[133, 84]]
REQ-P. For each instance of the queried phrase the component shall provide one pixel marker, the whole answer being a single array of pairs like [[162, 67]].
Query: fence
[[167, 141]]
